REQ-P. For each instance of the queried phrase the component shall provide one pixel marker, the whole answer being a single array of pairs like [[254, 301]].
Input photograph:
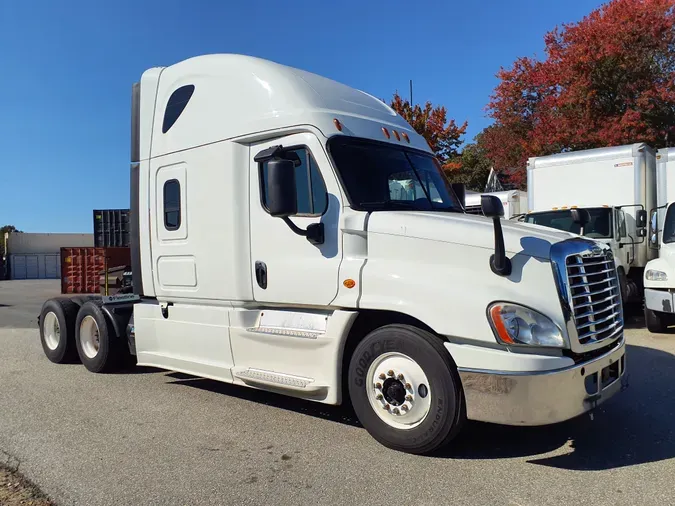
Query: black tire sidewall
[[655, 321], [106, 358], [65, 311], [444, 388]]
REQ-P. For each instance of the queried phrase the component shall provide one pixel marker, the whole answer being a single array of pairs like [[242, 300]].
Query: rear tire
[[656, 322], [98, 346], [57, 330], [405, 389]]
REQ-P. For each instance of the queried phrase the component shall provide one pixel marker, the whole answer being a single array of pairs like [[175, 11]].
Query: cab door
[[285, 267]]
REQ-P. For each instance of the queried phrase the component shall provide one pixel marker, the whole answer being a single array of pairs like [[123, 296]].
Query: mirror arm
[[314, 233], [499, 262], [294, 227]]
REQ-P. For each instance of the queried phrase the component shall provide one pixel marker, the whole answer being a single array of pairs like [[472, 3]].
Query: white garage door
[[32, 270], [51, 266], [18, 266]]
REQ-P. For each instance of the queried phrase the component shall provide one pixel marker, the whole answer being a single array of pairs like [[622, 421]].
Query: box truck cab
[[292, 234], [513, 201], [659, 275], [614, 187]]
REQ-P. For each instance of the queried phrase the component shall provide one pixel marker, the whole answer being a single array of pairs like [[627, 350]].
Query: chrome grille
[[474, 210], [594, 296]]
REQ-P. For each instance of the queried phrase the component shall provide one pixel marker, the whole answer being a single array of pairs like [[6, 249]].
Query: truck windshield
[[383, 177], [600, 226], [669, 226]]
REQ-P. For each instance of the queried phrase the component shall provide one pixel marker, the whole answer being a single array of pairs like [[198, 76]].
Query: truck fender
[[119, 315]]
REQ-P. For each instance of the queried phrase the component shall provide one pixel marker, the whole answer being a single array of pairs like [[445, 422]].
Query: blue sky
[[66, 69]]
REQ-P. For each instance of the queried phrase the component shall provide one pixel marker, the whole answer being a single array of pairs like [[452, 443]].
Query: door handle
[[261, 274]]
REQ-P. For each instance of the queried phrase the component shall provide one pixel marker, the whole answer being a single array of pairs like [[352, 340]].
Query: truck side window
[[172, 204], [310, 187], [177, 103]]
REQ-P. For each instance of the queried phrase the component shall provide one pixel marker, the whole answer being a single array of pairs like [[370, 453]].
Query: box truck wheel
[[98, 346], [656, 322], [57, 330], [405, 389]]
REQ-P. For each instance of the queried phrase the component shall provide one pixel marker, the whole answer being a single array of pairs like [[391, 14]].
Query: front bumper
[[543, 397], [659, 300]]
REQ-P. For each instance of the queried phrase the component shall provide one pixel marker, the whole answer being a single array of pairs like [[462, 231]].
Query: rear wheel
[[57, 330], [656, 322], [98, 346], [405, 389]]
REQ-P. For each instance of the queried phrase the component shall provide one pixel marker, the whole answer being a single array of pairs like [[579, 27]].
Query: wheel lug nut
[[379, 397], [408, 386], [382, 376], [390, 372], [408, 398], [378, 386], [404, 408], [400, 377], [396, 411], [386, 406]]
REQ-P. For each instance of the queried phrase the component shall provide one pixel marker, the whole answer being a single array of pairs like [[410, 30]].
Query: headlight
[[653, 275], [518, 325]]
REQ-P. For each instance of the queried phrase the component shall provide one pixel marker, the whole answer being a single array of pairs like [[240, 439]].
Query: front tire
[[57, 330], [405, 389], [98, 346]]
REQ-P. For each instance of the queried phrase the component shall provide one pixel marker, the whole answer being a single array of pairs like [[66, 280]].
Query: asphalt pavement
[[149, 437]]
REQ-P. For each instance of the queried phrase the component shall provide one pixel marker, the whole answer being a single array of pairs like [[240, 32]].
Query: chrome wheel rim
[[51, 330], [398, 390], [89, 336]]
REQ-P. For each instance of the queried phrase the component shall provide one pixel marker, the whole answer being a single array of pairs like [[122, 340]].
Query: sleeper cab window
[[309, 185], [172, 211], [176, 105]]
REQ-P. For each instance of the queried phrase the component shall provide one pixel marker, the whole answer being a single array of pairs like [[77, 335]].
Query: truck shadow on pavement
[[634, 427]]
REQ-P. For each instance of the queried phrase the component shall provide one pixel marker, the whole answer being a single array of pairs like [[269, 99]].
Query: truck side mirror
[[492, 208], [641, 220], [653, 230], [642, 232], [282, 199]]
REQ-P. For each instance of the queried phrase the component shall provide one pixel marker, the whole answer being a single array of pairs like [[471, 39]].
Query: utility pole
[[411, 102]]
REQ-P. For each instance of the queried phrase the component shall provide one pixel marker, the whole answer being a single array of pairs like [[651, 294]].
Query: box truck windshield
[[385, 177], [599, 227]]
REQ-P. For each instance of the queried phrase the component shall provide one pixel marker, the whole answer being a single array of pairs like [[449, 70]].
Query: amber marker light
[[349, 283], [496, 314], [337, 124], [386, 133]]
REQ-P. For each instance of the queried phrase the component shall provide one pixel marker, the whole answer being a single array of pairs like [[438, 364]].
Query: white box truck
[[513, 201], [616, 186], [271, 250], [659, 275]]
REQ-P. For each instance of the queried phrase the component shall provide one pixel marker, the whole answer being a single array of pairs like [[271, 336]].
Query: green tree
[[475, 166]]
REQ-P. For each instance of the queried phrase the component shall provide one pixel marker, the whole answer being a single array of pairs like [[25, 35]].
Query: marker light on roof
[[405, 136], [386, 132], [396, 135], [337, 124]]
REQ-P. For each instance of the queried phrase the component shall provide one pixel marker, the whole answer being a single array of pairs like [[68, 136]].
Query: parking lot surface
[[153, 437]]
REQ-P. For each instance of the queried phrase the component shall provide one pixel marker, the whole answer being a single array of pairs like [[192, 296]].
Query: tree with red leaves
[[607, 80], [443, 136]]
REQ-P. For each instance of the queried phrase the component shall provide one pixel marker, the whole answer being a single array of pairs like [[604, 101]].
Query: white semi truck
[[513, 201], [616, 186], [659, 275], [271, 250]]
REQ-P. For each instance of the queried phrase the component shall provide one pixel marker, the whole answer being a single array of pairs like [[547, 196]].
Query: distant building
[[38, 256]]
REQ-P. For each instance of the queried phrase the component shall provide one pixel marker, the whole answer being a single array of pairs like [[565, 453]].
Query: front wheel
[[405, 389]]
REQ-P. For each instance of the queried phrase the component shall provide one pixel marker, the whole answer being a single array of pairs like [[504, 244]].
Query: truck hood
[[475, 231]]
